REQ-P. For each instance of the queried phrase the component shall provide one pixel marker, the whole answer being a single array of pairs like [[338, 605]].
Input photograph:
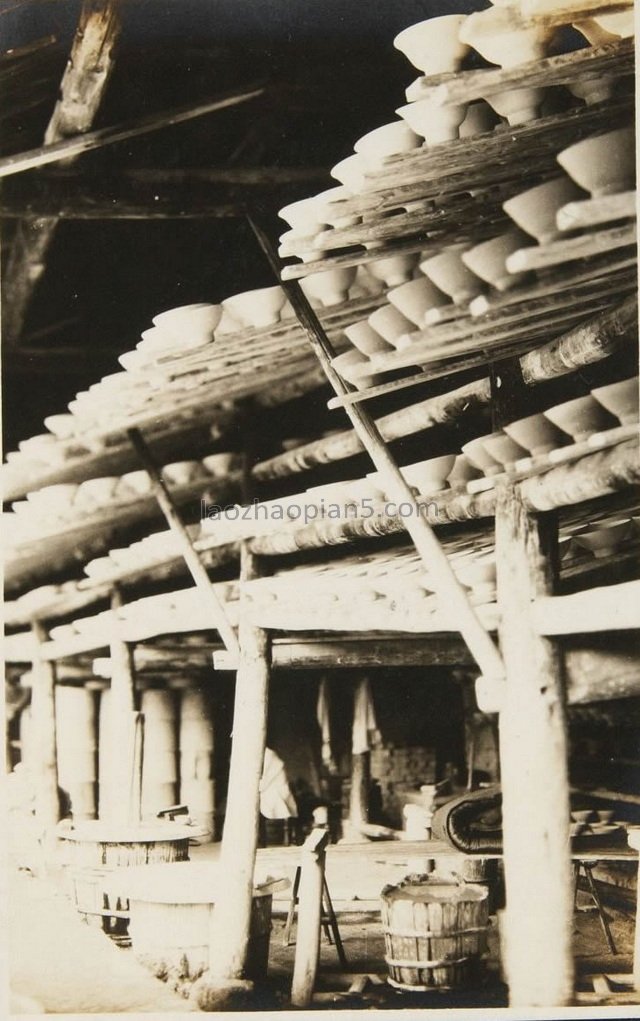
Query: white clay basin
[[388, 140], [181, 473], [350, 172], [62, 426], [480, 119], [365, 339], [434, 45], [156, 339], [462, 472], [395, 269], [133, 484], [330, 287], [580, 417], [434, 123], [344, 365], [190, 322], [415, 298], [327, 204], [504, 449], [302, 217], [536, 434], [517, 106], [221, 464], [258, 308], [429, 476], [390, 324], [93, 493], [607, 28], [448, 271], [606, 538], [476, 452], [602, 164], [593, 88], [502, 38], [620, 399], [535, 210], [488, 259], [478, 574]]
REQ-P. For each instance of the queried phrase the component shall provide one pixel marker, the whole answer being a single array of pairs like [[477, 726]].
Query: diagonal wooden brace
[[447, 587]]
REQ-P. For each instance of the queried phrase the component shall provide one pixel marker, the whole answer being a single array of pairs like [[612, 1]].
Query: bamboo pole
[[447, 587], [533, 760], [43, 714], [230, 923], [68, 147], [305, 967], [191, 557]]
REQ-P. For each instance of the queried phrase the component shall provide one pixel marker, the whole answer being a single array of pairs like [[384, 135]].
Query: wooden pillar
[[231, 918], [76, 745], [44, 761], [121, 709], [359, 793], [633, 837], [312, 861], [197, 786], [160, 758], [533, 756]]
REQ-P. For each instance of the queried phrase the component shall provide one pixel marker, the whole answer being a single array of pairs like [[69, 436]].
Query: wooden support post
[[309, 917], [449, 590], [359, 793], [191, 557], [115, 806], [231, 918], [43, 717], [633, 837], [533, 758]]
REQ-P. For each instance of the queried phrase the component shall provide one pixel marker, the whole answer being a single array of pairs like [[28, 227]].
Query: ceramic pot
[[257, 309], [395, 269], [366, 340], [606, 538], [434, 45], [517, 106], [449, 273], [488, 259], [190, 322], [602, 164], [502, 38], [536, 434], [350, 172], [504, 449], [328, 207], [434, 123], [620, 399], [580, 417], [390, 324], [389, 140], [429, 476], [478, 455], [331, 287], [156, 339], [535, 209], [302, 217], [415, 298]]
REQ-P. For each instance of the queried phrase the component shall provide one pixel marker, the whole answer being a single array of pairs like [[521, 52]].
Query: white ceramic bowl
[[181, 473], [580, 417], [605, 538], [62, 426], [96, 493], [394, 269], [302, 217], [429, 476], [434, 46], [602, 164], [257, 308], [620, 399], [156, 339], [346, 362], [478, 455], [536, 434], [462, 472], [228, 324], [488, 259], [190, 322], [328, 207], [40, 444], [133, 485], [388, 140], [390, 324], [499, 36], [58, 498], [350, 172], [329, 288], [535, 210], [130, 361], [517, 106], [480, 119], [504, 449], [221, 464], [366, 340], [478, 574], [592, 88], [415, 298], [435, 123], [450, 274]]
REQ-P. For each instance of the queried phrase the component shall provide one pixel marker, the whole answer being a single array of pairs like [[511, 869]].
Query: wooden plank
[[91, 140], [230, 922], [562, 12], [448, 589], [307, 955], [533, 765], [610, 608], [584, 246], [594, 211]]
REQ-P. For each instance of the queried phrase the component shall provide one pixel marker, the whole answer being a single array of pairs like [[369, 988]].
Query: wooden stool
[[328, 919], [587, 868]]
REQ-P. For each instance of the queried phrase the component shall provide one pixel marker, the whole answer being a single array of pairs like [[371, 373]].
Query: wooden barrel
[[197, 786], [76, 748], [435, 933], [159, 761], [171, 908]]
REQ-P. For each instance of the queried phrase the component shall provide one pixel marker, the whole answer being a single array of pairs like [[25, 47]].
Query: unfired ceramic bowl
[[434, 46], [331, 287], [536, 434], [62, 426], [488, 259], [477, 453], [415, 298], [366, 339], [395, 269], [480, 118], [517, 106], [620, 399], [181, 473], [535, 209], [350, 172], [190, 322], [462, 472], [388, 140], [328, 207], [58, 499], [258, 308], [500, 37], [449, 273], [602, 164], [478, 574], [606, 538], [133, 484], [429, 476], [302, 217], [580, 417], [390, 324], [221, 464], [504, 449], [346, 362], [434, 123]]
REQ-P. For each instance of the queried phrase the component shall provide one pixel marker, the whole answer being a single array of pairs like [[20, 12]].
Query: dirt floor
[[63, 965]]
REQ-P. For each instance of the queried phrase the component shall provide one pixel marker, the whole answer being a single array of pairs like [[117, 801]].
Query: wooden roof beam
[[81, 91]]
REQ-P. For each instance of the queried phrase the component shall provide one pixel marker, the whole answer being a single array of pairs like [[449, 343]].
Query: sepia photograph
[[321, 509]]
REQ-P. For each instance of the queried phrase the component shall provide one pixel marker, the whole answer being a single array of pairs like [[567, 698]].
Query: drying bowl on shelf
[[450, 274], [58, 498], [350, 172], [327, 204], [302, 217], [535, 210], [433, 122], [536, 434], [500, 37], [605, 538], [477, 453], [602, 164], [181, 473], [480, 118], [504, 449], [366, 339], [394, 269], [95, 493], [429, 476], [478, 574], [390, 324], [434, 46], [190, 322], [257, 308], [330, 287], [620, 399], [462, 472], [345, 363], [517, 106], [415, 298], [488, 259], [388, 140], [579, 417]]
